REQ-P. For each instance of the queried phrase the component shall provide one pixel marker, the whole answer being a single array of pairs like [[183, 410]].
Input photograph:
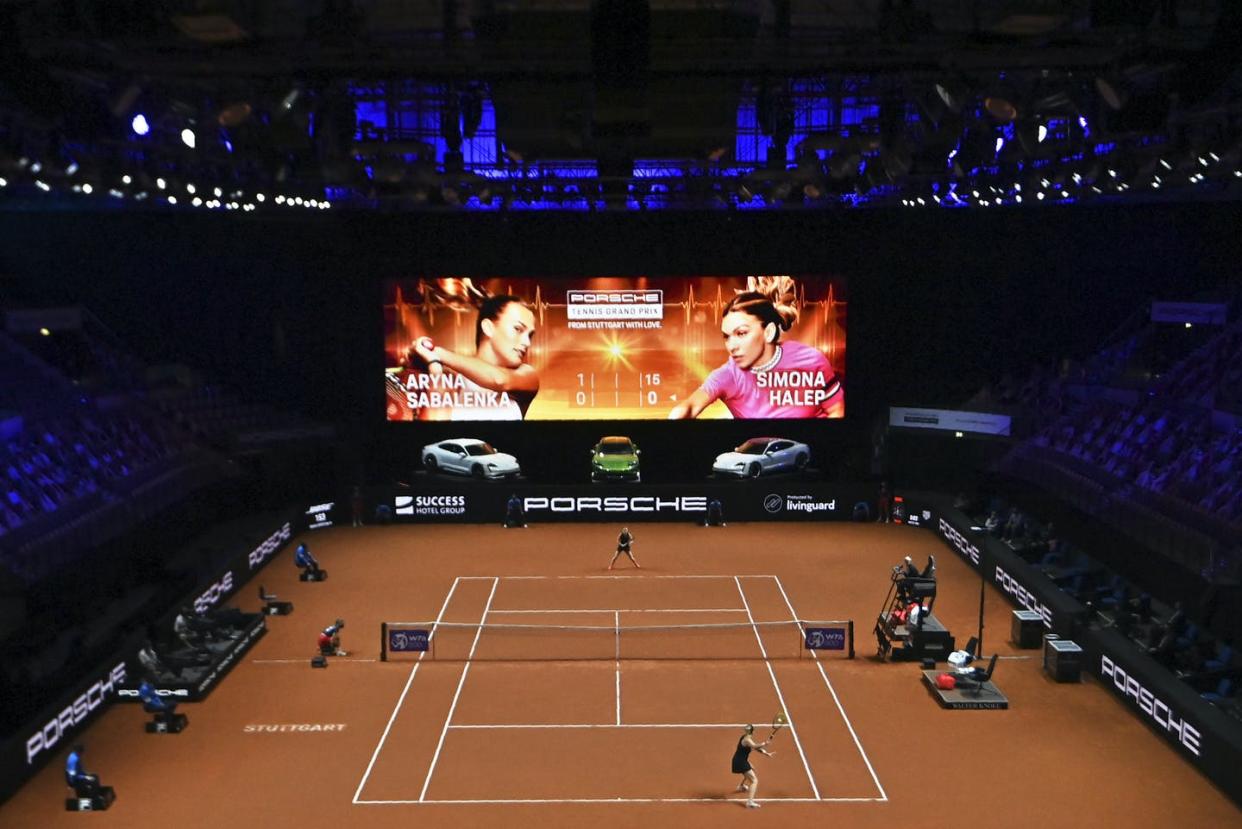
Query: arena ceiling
[[616, 104]]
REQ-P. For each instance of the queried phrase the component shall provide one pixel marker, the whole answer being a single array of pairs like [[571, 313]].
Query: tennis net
[[449, 641]]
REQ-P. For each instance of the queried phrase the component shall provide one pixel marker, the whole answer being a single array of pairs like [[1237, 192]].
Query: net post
[[383, 641], [850, 628]]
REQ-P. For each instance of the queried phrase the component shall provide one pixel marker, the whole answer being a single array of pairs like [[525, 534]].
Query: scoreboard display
[[614, 348]]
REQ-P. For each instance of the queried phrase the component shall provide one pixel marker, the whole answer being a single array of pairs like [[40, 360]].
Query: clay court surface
[[623, 724]]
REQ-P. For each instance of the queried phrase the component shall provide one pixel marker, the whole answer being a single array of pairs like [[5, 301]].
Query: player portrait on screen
[[591, 347], [496, 382], [765, 377]]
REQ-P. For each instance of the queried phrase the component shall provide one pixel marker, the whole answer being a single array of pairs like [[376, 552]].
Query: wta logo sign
[[958, 542], [825, 639], [405, 641]]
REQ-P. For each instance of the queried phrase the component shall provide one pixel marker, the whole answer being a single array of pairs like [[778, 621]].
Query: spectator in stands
[[993, 523], [151, 662], [184, 625], [1177, 620], [1013, 525], [1164, 651]]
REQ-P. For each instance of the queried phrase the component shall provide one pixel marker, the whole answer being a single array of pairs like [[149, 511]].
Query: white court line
[[401, 699], [645, 576], [618, 664], [482, 726], [776, 685], [717, 800], [303, 661], [644, 610], [883, 797], [465, 670]]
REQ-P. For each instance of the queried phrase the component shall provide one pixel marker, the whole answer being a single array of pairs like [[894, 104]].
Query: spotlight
[[139, 125], [187, 137], [1002, 100]]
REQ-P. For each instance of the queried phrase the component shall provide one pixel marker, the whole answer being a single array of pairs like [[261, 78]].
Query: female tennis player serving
[[741, 765]]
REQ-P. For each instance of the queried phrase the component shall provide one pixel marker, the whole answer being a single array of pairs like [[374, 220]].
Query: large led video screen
[[614, 348]]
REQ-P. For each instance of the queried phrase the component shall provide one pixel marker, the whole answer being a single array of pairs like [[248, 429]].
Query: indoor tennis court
[[572, 721]]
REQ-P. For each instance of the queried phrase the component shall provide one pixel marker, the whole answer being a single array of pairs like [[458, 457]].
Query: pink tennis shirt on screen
[[801, 384]]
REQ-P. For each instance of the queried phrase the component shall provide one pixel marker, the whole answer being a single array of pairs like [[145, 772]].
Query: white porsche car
[[468, 456], [761, 456]]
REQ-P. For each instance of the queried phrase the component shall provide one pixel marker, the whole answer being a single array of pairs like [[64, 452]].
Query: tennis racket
[[778, 722]]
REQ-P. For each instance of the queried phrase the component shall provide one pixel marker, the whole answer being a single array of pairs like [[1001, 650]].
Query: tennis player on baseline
[[624, 540], [741, 765]]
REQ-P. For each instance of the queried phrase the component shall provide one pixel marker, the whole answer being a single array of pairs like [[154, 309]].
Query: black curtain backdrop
[[288, 308]]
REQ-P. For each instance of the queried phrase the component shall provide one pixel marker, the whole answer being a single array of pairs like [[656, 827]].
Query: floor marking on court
[[722, 800], [304, 660], [644, 576], [464, 671], [819, 664], [618, 663], [483, 726], [776, 685], [643, 610], [401, 699], [423, 800]]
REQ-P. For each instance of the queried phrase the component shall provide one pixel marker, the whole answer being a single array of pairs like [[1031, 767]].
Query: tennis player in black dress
[[624, 540], [741, 765]]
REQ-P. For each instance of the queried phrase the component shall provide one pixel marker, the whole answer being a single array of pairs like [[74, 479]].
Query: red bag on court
[[946, 682]]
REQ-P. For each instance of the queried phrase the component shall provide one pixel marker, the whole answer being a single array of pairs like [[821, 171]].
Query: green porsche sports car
[[615, 459]]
